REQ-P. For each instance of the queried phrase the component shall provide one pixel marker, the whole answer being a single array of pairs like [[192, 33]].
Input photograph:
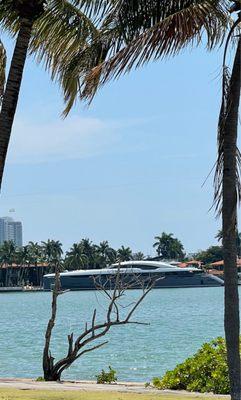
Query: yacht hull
[[171, 280]]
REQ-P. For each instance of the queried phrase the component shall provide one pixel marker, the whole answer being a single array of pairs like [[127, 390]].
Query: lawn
[[15, 394]]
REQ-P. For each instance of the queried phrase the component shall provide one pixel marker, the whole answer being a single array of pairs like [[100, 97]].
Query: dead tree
[[117, 314]]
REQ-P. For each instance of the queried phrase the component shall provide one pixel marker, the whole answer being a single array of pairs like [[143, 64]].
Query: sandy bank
[[91, 386]]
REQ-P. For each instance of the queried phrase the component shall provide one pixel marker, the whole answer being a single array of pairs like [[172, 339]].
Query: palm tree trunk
[[10, 97], [229, 220]]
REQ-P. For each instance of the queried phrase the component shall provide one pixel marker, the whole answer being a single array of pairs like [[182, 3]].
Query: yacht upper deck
[[130, 267]]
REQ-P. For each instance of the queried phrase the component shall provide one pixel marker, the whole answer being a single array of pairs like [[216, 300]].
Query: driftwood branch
[[114, 289], [48, 360]]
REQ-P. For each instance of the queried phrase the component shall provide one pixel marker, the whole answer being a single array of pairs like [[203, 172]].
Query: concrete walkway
[[90, 386]]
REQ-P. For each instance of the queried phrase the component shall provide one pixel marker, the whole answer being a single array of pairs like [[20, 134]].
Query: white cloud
[[72, 138]]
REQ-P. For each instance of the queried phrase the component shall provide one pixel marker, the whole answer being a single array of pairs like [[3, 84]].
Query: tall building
[[11, 230]]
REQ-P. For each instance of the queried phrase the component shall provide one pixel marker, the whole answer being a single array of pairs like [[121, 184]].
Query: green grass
[[16, 394]]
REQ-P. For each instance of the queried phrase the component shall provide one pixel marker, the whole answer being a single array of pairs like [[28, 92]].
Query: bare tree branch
[[113, 288]]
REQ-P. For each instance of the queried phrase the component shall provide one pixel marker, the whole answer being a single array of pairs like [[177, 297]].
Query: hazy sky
[[125, 169]]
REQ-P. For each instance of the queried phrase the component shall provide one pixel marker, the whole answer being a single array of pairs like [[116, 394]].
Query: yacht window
[[144, 267], [121, 266]]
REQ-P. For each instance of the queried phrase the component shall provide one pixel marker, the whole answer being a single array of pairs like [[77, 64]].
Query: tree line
[[85, 254], [88, 255]]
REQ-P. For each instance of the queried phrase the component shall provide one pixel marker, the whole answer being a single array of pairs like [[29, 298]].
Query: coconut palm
[[169, 247], [52, 252], [21, 258], [219, 236], [35, 252], [7, 252], [133, 33], [124, 254], [75, 257], [35, 257], [106, 254], [47, 28], [7, 257], [138, 256], [89, 249]]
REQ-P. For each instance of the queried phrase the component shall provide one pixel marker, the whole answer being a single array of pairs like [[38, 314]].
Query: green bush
[[40, 379], [205, 371], [107, 377]]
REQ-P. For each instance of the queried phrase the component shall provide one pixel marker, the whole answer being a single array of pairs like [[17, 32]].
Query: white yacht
[[136, 273]]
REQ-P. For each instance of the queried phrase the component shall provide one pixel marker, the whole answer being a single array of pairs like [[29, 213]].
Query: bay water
[[180, 320]]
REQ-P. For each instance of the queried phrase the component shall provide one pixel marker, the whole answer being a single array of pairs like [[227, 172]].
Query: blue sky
[[124, 169]]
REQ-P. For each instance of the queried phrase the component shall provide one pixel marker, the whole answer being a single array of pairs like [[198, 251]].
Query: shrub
[[107, 377], [205, 371], [40, 379]]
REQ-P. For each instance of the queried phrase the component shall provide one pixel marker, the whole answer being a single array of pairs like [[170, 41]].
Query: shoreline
[[92, 386]]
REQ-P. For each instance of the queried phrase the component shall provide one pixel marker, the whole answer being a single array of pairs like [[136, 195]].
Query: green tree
[[105, 253], [22, 259], [138, 256], [21, 256], [50, 29], [52, 252], [35, 258], [168, 247], [89, 249], [7, 257], [134, 33], [212, 254], [219, 236], [75, 258], [124, 254], [34, 252], [7, 253]]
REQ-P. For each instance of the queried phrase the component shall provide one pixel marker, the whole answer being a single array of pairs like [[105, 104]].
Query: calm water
[[180, 321]]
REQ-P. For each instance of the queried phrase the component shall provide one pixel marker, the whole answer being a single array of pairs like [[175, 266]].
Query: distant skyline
[[11, 231], [126, 168]]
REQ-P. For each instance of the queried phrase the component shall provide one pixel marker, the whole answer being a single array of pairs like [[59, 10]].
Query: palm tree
[[133, 33], [106, 254], [75, 257], [89, 249], [157, 245], [124, 254], [138, 256], [52, 252], [168, 247], [219, 236], [48, 28], [21, 258], [7, 257], [35, 253]]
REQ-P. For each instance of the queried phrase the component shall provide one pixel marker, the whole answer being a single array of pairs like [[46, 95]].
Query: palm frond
[[8, 15], [59, 35], [159, 32], [59, 32]]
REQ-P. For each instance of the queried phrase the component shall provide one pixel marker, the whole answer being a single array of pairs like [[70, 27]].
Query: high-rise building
[[11, 230]]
